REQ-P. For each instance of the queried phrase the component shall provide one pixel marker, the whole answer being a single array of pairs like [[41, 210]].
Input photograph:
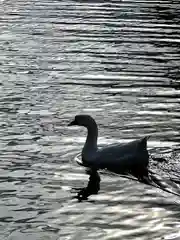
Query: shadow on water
[[153, 180], [149, 176], [93, 186], [146, 201]]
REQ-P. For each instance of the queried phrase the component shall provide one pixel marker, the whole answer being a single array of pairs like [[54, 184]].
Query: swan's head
[[82, 120]]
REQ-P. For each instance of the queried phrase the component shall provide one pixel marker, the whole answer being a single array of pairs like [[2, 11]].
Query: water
[[116, 60]]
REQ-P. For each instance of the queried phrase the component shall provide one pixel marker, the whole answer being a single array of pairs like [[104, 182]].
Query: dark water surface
[[116, 60]]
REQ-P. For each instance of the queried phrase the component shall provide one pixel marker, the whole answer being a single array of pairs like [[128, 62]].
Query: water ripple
[[115, 60]]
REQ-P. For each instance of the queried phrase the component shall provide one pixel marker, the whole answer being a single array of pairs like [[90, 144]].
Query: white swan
[[129, 157]]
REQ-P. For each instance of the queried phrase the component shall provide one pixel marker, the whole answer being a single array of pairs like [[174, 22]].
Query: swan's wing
[[121, 155]]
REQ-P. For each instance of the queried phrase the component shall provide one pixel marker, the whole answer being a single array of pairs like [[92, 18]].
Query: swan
[[121, 158]]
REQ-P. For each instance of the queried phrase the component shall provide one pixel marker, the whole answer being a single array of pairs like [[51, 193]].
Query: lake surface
[[116, 60]]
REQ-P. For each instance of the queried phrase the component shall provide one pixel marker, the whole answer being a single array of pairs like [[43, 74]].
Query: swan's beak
[[72, 123]]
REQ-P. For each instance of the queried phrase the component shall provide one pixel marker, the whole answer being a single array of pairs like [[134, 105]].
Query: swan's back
[[123, 156]]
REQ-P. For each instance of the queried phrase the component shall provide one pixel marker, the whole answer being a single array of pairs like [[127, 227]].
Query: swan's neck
[[90, 145]]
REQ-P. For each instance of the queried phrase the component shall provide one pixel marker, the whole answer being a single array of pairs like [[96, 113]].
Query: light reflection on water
[[119, 62]]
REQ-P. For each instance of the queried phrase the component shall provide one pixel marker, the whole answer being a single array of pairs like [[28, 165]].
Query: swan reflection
[[93, 186]]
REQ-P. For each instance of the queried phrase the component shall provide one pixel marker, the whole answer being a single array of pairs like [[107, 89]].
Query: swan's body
[[121, 158]]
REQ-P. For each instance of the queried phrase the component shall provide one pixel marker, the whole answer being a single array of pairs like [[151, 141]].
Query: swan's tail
[[144, 141]]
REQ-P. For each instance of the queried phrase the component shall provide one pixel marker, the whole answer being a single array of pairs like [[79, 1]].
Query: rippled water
[[116, 60]]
